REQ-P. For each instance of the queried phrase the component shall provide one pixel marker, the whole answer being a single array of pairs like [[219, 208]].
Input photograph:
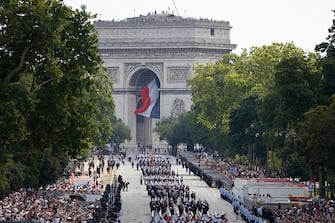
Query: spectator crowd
[[171, 200], [313, 212], [29, 205]]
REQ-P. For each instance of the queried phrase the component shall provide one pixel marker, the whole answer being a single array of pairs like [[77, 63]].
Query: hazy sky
[[254, 22]]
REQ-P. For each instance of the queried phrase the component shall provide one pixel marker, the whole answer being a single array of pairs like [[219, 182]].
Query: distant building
[[138, 49]]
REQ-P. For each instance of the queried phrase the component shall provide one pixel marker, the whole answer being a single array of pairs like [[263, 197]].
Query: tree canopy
[[121, 132], [55, 98]]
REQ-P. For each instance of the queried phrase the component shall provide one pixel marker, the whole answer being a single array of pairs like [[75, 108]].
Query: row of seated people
[[87, 188], [172, 200], [229, 168]]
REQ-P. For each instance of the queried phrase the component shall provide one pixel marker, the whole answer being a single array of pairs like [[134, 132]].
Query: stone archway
[[139, 48], [144, 126]]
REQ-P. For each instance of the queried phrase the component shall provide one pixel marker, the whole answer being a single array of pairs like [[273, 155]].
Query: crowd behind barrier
[[171, 200], [65, 202], [319, 212], [216, 170]]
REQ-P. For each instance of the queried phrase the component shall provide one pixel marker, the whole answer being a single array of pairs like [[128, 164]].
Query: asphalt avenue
[[135, 200]]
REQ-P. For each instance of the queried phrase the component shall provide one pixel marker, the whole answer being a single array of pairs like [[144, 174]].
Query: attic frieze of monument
[[162, 53]]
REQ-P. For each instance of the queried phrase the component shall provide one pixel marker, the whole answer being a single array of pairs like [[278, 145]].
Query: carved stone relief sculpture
[[178, 107], [178, 74], [114, 73]]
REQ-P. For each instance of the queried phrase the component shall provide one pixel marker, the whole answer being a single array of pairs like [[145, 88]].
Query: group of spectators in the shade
[[229, 168], [172, 200]]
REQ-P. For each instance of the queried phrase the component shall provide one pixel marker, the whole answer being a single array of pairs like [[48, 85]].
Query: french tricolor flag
[[150, 100]]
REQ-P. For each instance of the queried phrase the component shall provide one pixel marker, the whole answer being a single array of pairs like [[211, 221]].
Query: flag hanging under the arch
[[150, 100]]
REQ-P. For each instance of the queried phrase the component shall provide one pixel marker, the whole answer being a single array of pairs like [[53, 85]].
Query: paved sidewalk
[[135, 201]]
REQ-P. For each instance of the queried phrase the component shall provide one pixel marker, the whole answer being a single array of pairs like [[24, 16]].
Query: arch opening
[[144, 125]]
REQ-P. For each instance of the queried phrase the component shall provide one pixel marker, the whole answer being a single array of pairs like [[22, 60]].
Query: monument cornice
[[162, 52], [162, 90], [138, 45]]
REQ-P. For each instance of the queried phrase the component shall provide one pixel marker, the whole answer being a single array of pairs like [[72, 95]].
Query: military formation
[[170, 199]]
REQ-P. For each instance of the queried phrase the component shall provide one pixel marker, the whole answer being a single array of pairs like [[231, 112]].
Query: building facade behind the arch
[[136, 50]]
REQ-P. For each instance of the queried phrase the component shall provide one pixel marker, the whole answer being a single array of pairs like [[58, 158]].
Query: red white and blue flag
[[150, 101]]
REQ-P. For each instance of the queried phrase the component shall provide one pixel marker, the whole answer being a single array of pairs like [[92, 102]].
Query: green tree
[[274, 161], [106, 123], [54, 99], [177, 130], [294, 90], [165, 129], [121, 133], [315, 141], [216, 90], [296, 86], [201, 134], [242, 119], [327, 62], [219, 89], [247, 132]]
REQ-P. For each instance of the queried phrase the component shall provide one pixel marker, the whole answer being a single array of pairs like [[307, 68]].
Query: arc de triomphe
[[136, 50]]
